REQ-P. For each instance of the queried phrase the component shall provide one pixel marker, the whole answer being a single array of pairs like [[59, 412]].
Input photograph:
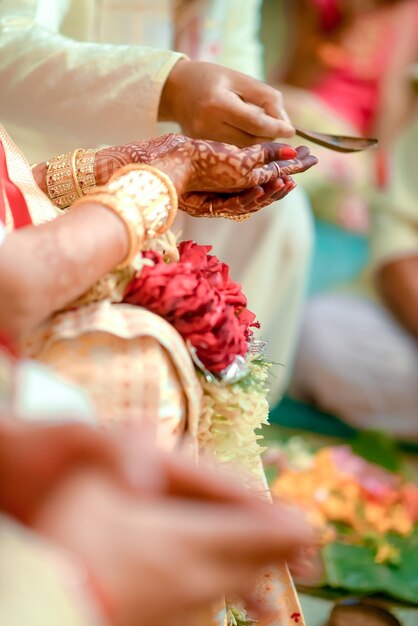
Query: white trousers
[[357, 362], [269, 254]]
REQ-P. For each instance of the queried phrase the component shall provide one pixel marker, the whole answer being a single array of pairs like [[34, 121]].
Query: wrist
[[107, 163], [171, 93], [177, 166], [39, 173]]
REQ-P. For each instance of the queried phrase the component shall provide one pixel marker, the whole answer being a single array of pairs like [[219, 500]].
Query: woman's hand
[[201, 204], [214, 166], [213, 178], [221, 167], [109, 160]]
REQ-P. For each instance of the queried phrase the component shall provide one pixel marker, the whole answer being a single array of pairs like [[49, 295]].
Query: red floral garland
[[198, 297]]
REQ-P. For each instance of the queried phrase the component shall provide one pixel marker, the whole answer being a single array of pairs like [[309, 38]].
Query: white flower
[[231, 415]]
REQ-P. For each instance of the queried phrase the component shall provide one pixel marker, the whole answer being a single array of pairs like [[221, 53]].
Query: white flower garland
[[230, 416]]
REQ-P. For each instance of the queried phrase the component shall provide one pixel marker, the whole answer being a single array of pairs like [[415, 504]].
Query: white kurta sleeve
[[95, 93]]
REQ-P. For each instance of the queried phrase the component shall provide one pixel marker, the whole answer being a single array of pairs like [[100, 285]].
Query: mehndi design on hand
[[224, 168], [109, 160], [270, 182], [232, 205]]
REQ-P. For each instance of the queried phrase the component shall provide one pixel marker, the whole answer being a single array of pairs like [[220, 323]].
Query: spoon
[[339, 143]]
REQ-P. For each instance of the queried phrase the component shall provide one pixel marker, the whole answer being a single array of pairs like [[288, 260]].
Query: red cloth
[[17, 202]]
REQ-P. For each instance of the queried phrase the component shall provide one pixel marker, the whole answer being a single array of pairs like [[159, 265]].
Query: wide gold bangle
[[158, 195], [144, 198], [84, 169], [69, 176], [60, 181]]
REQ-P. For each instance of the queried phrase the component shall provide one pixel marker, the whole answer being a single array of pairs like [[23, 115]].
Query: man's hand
[[213, 102]]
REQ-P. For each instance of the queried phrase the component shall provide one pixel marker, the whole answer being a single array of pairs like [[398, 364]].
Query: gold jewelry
[[144, 198], [60, 181], [84, 168], [152, 190], [228, 216], [69, 176], [74, 173], [235, 218]]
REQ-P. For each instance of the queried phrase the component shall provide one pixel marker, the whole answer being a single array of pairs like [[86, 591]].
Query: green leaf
[[353, 568]]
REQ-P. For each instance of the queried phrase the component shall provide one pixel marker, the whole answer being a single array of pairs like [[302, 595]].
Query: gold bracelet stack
[[69, 176], [144, 198]]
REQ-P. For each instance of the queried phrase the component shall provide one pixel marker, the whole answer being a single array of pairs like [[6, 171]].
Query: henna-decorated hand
[[200, 204], [209, 159], [225, 169], [221, 167], [236, 181], [212, 179], [109, 160]]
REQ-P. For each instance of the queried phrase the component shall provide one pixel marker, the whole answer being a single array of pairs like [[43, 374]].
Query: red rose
[[197, 296]]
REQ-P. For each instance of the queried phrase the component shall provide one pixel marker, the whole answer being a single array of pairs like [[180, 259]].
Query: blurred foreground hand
[[161, 552]]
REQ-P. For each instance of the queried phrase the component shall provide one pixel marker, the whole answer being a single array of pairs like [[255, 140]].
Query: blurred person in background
[[345, 70], [358, 353], [76, 72]]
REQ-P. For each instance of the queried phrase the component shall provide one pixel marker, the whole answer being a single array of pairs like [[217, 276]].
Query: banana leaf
[[353, 568]]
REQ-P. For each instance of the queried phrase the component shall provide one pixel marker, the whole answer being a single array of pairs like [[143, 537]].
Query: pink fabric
[[351, 85], [356, 100]]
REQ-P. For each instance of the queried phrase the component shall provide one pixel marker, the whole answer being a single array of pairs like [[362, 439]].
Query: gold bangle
[[74, 172], [129, 216], [145, 200], [157, 219], [60, 181], [84, 169], [69, 176]]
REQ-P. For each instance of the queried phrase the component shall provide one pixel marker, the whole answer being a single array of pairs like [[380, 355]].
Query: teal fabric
[[339, 256], [296, 415]]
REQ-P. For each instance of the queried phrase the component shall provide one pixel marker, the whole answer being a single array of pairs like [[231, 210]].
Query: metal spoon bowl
[[339, 143]]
